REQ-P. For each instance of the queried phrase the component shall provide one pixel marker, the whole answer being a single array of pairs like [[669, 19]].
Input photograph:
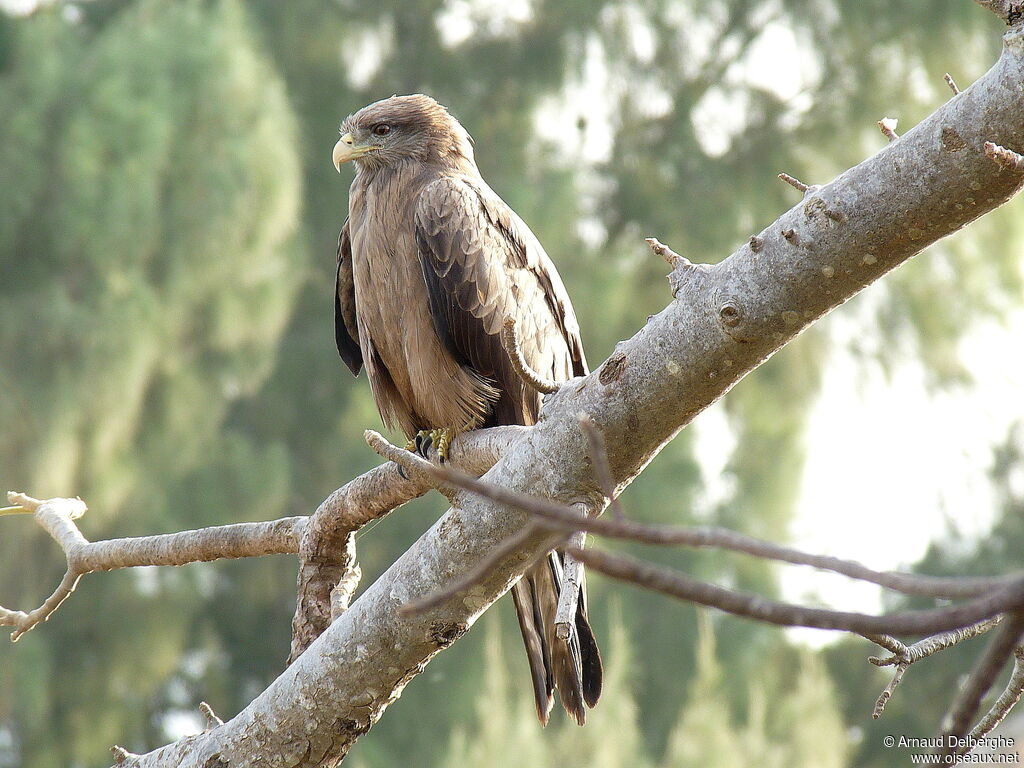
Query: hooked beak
[[346, 149]]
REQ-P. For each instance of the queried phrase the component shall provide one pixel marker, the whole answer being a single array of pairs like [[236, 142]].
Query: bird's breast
[[396, 329]]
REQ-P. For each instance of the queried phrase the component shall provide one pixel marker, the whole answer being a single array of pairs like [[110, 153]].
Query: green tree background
[[168, 215]]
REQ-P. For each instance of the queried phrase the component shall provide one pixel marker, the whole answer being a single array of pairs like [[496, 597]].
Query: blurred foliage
[[151, 266], [790, 717], [167, 237]]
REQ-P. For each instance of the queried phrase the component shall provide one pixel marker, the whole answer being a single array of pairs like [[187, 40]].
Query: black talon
[[423, 443]]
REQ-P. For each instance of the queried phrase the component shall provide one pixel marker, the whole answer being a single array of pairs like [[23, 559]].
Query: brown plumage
[[430, 263]]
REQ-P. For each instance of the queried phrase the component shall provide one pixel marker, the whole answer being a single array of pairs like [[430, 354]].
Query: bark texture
[[723, 322]]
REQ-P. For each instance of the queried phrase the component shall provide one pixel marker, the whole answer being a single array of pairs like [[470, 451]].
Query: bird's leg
[[443, 442], [441, 439]]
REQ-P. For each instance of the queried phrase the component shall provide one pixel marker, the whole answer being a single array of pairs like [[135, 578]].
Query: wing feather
[[346, 329], [482, 264]]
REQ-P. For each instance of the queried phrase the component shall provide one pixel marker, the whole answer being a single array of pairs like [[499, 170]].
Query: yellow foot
[[439, 439]]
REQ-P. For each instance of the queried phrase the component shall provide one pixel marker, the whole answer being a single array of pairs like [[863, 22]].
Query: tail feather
[[590, 654], [572, 665], [532, 638]]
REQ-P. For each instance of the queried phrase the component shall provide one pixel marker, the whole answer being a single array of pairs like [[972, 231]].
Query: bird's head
[[399, 129]]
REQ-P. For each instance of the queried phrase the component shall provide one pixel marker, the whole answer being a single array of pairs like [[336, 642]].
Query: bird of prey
[[431, 262]]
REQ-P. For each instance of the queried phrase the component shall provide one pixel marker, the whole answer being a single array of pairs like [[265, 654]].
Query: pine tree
[[150, 265], [788, 715]]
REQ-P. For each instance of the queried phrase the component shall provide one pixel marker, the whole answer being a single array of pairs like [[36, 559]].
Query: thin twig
[[565, 518], [57, 517], [660, 249], [572, 582], [886, 694], [1002, 594], [794, 182], [903, 655], [508, 547], [1002, 706], [887, 125], [931, 645], [15, 510], [679, 585], [952, 84], [121, 755], [1005, 158], [510, 341], [962, 712], [888, 642], [209, 716]]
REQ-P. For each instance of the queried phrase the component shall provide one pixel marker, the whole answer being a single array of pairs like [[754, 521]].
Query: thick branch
[[602, 472], [725, 322]]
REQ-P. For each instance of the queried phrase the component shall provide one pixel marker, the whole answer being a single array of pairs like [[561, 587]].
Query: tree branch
[[1005, 158], [328, 570], [210, 718], [572, 582], [750, 606], [794, 182], [602, 472], [557, 516], [903, 656], [57, 517], [887, 125], [679, 585], [1002, 706], [964, 709], [324, 542]]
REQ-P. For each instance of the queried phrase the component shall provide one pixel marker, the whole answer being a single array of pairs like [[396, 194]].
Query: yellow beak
[[346, 149]]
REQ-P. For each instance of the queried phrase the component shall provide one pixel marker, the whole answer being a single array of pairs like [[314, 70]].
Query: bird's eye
[[381, 129]]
